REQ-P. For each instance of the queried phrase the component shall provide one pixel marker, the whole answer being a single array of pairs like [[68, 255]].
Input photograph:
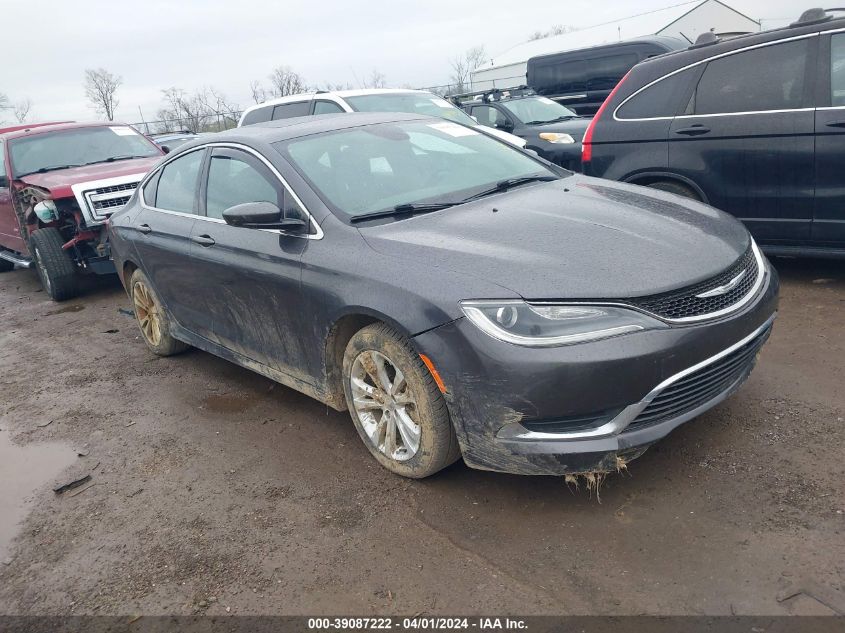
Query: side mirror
[[262, 215], [505, 125], [165, 149]]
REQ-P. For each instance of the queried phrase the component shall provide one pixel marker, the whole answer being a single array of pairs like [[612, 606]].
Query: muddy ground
[[214, 490]]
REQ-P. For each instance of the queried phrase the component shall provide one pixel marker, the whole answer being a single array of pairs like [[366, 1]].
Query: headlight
[[554, 137], [521, 323]]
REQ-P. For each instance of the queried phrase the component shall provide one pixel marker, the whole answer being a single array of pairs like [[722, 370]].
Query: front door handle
[[145, 228], [835, 124], [694, 130], [203, 240]]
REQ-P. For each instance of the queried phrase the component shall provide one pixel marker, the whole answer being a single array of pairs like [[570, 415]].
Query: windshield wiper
[[504, 185], [404, 209], [44, 170], [114, 158]]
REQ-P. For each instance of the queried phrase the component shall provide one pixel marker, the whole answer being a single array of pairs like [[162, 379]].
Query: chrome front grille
[[708, 297], [103, 201]]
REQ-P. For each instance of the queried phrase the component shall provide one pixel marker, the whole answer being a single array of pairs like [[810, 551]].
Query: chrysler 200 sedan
[[459, 296]]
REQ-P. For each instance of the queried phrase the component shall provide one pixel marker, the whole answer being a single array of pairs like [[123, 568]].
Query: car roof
[[305, 96], [295, 127], [694, 53], [42, 128]]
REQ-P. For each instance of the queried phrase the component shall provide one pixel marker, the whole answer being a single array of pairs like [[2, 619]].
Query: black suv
[[550, 129], [754, 125]]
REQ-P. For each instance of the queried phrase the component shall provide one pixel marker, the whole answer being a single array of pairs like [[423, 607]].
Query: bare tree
[[285, 81], [259, 92], [376, 80], [4, 101], [557, 29], [22, 109], [463, 65], [206, 110], [100, 89]]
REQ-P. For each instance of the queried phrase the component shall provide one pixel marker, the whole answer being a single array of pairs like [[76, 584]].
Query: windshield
[[78, 146], [411, 102], [375, 168], [535, 110]]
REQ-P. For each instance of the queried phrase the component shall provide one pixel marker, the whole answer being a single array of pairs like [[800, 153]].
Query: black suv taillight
[[587, 141]]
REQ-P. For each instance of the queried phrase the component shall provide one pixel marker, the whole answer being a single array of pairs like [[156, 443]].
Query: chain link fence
[[210, 122]]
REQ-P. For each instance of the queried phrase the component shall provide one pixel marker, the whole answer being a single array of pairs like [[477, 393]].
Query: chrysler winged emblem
[[720, 290]]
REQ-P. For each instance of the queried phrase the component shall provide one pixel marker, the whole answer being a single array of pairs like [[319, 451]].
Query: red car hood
[[59, 183]]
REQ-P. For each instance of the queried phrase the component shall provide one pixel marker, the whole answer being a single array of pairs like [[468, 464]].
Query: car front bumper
[[592, 406], [567, 156]]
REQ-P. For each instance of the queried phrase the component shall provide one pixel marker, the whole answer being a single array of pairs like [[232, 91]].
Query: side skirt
[[178, 332]]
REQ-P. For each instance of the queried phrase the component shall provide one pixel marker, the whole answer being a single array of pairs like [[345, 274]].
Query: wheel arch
[[344, 327], [649, 177]]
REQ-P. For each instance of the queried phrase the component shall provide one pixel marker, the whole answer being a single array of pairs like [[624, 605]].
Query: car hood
[[575, 238], [575, 127], [59, 182]]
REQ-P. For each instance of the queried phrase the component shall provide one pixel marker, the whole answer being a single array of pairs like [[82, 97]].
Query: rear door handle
[[203, 240], [835, 124], [694, 130], [145, 228]]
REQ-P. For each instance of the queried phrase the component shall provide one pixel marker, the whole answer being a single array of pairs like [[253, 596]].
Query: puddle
[[23, 470], [76, 307], [227, 403]]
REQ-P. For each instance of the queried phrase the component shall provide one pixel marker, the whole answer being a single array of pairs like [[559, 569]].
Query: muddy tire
[[675, 187], [56, 269], [395, 404], [152, 318], [6, 266]]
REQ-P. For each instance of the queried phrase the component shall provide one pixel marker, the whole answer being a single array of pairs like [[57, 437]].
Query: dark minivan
[[582, 79], [754, 126]]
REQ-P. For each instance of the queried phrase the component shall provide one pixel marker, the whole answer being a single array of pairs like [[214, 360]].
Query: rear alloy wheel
[[152, 318], [395, 404], [56, 269], [675, 187]]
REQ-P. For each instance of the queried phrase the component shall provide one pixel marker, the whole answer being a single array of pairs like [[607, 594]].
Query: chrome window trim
[[761, 277], [629, 413], [706, 61], [318, 235]]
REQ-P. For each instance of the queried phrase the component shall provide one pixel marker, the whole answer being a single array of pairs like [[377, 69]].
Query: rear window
[[259, 115], [761, 79], [662, 99]]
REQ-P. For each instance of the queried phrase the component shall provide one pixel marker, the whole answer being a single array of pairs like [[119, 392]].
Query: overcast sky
[[154, 44]]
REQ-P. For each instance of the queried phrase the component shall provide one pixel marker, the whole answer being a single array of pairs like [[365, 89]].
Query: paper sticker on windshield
[[544, 100], [453, 129], [440, 103], [123, 131]]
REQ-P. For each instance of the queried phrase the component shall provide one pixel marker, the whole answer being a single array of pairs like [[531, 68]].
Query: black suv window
[[837, 70], [177, 185], [489, 116], [767, 78], [235, 178], [661, 99], [289, 110]]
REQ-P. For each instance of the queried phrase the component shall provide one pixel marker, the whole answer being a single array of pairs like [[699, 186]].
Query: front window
[[538, 110], [76, 147], [410, 102], [376, 168]]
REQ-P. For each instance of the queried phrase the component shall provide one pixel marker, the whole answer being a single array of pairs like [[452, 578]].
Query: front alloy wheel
[[396, 405], [385, 405]]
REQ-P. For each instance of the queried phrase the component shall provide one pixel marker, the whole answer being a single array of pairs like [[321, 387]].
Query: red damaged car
[[59, 183]]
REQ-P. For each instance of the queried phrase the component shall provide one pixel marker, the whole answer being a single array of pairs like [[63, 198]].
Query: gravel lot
[[214, 490]]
